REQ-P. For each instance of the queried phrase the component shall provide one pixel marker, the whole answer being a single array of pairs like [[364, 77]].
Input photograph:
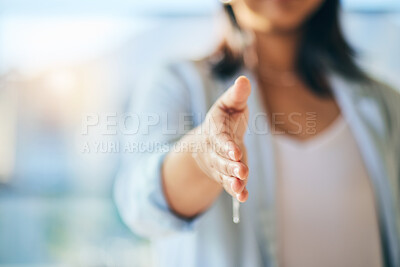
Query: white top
[[326, 209]]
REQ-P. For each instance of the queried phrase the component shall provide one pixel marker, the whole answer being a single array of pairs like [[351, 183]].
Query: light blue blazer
[[212, 239]]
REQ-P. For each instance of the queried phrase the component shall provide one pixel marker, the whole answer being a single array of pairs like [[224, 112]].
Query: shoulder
[[196, 78], [375, 103], [196, 72], [175, 80], [189, 72], [373, 93], [388, 98]]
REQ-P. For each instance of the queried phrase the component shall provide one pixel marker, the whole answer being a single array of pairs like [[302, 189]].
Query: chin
[[286, 25], [279, 26]]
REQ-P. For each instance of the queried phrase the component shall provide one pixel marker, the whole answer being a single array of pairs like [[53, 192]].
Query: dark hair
[[321, 48]]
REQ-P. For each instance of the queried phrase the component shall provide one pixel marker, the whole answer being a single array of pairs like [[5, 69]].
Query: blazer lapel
[[358, 109]]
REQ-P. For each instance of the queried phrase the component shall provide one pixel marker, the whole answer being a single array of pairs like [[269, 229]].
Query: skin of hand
[[212, 158], [222, 154]]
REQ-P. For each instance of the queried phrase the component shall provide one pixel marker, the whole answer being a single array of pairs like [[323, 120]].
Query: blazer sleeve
[[161, 114]]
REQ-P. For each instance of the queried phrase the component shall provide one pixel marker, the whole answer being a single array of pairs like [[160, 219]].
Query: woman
[[303, 138]]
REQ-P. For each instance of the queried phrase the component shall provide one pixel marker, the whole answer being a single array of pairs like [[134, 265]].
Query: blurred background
[[63, 59]]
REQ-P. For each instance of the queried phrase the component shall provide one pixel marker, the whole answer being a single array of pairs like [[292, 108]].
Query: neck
[[277, 51]]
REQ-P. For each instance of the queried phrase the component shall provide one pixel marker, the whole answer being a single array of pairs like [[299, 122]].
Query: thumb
[[235, 98]]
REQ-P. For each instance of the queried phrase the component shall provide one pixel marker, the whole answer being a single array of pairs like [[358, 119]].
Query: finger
[[243, 196], [232, 185], [235, 98], [224, 145], [237, 186], [229, 167]]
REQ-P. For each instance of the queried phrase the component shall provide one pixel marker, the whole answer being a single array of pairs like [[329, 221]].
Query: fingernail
[[236, 172], [231, 155], [232, 187], [237, 79], [237, 196]]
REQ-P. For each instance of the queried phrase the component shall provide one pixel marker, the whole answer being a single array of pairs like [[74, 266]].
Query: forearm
[[189, 191]]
